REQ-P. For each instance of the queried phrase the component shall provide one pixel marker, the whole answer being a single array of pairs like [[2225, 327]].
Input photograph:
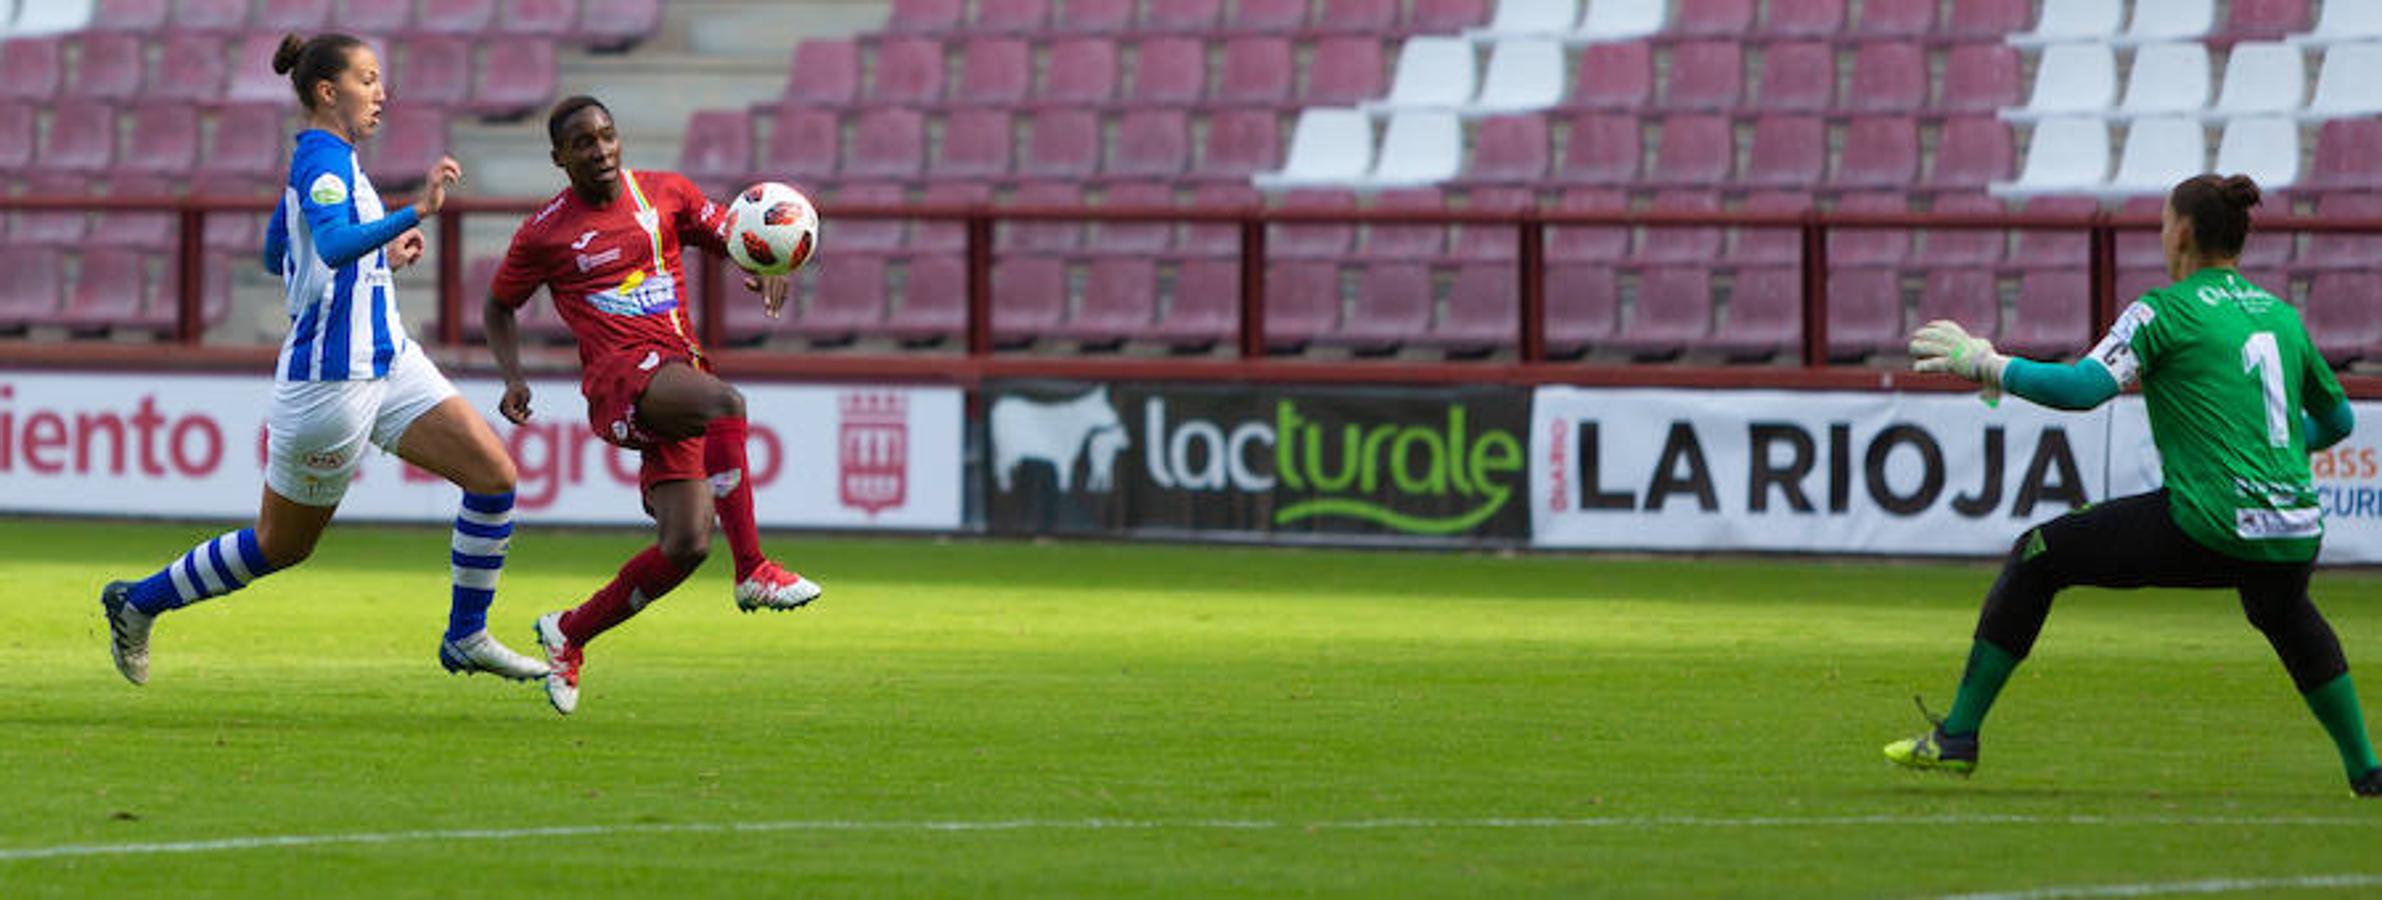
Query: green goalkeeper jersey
[[2225, 370]]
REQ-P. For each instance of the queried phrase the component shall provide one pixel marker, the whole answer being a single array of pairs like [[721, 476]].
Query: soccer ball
[[772, 229]]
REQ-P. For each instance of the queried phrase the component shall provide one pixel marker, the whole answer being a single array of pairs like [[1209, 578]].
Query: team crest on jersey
[[328, 189]]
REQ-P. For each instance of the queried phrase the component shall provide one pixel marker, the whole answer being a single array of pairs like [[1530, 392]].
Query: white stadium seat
[[2071, 79], [52, 17], [1528, 18], [1432, 73], [2066, 155], [2349, 20], [1620, 20], [1328, 147], [2264, 147], [1524, 75], [2262, 78], [2073, 20], [2159, 152], [2156, 21], [2167, 80], [2350, 83], [1421, 147]]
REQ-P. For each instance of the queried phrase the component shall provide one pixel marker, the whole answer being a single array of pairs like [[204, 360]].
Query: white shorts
[[316, 429]]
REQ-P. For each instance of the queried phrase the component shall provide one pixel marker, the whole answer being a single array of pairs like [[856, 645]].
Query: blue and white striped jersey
[[326, 242]]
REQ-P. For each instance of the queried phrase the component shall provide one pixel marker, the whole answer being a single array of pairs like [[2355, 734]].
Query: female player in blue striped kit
[[347, 374]]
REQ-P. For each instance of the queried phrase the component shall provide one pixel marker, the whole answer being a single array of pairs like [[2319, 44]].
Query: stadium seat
[[1615, 78], [1608, 21], [2345, 84], [286, 16], [1953, 247], [1205, 306], [2073, 21], [1131, 239], [2168, 79], [1419, 147], [1901, 21], [1508, 150], [2265, 20], [1528, 18], [1038, 236], [35, 287], [1967, 296], [107, 68], [1765, 246], [1805, 18], [1583, 306], [617, 24], [824, 72], [1011, 16], [1064, 144], [1120, 302], [1082, 72], [238, 232], [1267, 16], [1798, 77], [1888, 77], [1881, 152], [19, 128], [847, 299], [536, 19], [1491, 241], [1368, 17], [457, 17], [411, 140], [2262, 79], [1328, 146], [1706, 76], [1870, 246], [1432, 73], [144, 16], [1256, 71], [1673, 310], [870, 234], [189, 69], [976, 145], [2338, 23], [1694, 151], [514, 79], [1980, 78], [887, 143], [1787, 151], [148, 230], [1445, 16], [909, 71], [374, 17], [2345, 151], [1409, 242], [1218, 239], [1971, 153], [1524, 74], [2070, 155], [1313, 240], [168, 137], [1864, 312], [2265, 148], [1392, 305], [1680, 244], [993, 72], [1344, 71], [2052, 314], [934, 300], [1482, 310], [435, 71], [1601, 149], [2342, 315], [1764, 317], [2335, 250], [2133, 283], [715, 150], [2056, 247], [251, 78], [2159, 152], [1302, 302], [57, 227], [82, 138], [1590, 243], [112, 293], [2158, 21], [925, 16], [2072, 80], [1730, 19], [947, 235], [1194, 16], [1238, 145], [1150, 144], [1104, 17], [805, 144], [31, 68], [1169, 71], [1029, 297]]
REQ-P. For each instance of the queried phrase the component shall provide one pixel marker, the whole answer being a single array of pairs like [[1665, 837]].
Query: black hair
[[308, 61], [570, 106], [2219, 209]]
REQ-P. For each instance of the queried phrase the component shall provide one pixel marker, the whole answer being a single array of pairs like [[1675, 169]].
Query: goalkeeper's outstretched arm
[[2083, 384]]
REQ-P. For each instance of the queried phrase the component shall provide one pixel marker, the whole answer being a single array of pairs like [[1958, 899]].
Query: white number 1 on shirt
[[2260, 355]]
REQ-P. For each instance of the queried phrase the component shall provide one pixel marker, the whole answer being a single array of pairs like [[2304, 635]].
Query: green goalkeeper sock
[[1989, 667], [2335, 705]]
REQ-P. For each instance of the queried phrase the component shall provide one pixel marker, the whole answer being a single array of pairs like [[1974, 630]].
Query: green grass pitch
[[990, 718]]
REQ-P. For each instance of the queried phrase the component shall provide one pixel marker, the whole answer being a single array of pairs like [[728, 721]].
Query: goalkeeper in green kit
[[2237, 398]]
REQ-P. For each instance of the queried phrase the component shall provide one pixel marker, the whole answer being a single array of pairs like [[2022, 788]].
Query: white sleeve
[[2116, 352]]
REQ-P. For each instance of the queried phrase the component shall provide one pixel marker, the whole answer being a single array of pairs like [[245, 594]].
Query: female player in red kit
[[607, 249]]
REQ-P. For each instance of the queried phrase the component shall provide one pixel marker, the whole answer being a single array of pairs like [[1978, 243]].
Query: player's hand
[[1944, 346], [434, 187], [773, 290], [515, 405], [406, 249]]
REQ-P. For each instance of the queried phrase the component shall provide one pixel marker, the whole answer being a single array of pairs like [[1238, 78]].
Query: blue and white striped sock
[[219, 566], [483, 531]]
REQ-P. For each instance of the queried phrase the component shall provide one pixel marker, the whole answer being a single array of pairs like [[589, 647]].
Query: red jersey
[[614, 270]]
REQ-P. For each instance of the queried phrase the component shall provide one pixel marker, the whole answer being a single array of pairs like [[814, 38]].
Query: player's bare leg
[[682, 402], [682, 517], [452, 441]]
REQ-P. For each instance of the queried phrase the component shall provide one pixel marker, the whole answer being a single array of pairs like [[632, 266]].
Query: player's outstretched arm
[[504, 341], [1944, 346]]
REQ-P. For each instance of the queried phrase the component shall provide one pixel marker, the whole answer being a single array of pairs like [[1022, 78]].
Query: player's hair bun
[[2239, 191], [286, 56]]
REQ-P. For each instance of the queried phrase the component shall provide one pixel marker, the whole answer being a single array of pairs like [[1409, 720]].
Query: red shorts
[[613, 385]]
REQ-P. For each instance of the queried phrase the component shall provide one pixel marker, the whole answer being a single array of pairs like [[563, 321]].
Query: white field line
[[266, 842], [2210, 886]]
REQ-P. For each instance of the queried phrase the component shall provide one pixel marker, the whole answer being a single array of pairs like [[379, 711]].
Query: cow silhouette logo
[[1058, 433]]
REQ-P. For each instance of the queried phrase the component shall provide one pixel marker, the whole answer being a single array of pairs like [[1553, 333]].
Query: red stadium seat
[[190, 69], [240, 232], [458, 17], [1256, 72], [168, 138], [1268, 16], [1895, 20], [1240, 144], [715, 150], [1313, 240], [1095, 16], [1695, 151], [1392, 306], [1205, 306], [146, 16], [868, 234], [108, 67], [1218, 239], [1988, 20], [1602, 149], [149, 230], [1038, 236], [2266, 20], [934, 300], [1971, 153], [1197, 16], [1770, 246], [82, 138], [2133, 283], [1679, 245], [1082, 72], [2056, 247], [301, 16], [1800, 77], [1787, 151], [374, 17], [1966, 246], [211, 15], [2339, 250], [2053, 312], [1765, 314], [1345, 71], [2343, 317], [1369, 17], [1421, 241], [947, 235], [1064, 143], [887, 143], [1615, 78], [1029, 297], [846, 298], [1135, 238], [35, 286], [1151, 143], [976, 144], [50, 227], [19, 128], [1012, 16], [1870, 246], [1120, 302], [993, 72], [1879, 153], [1583, 306], [1888, 77], [1864, 312], [515, 79], [1806, 18], [1673, 311], [1169, 72], [1967, 296], [1980, 78], [804, 145], [617, 24], [908, 71], [1444, 16], [1482, 310], [1706, 75], [1479, 241], [1714, 18], [2136, 247], [1589, 243], [925, 16], [539, 19], [2344, 156], [1302, 302], [824, 72], [411, 140], [111, 293], [1509, 150], [435, 72], [31, 68], [251, 78]]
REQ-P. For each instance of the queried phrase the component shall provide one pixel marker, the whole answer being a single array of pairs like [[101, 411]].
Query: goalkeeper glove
[[1943, 346]]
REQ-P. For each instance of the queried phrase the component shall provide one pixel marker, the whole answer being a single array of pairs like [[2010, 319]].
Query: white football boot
[[479, 652], [128, 631], [772, 587], [562, 676]]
